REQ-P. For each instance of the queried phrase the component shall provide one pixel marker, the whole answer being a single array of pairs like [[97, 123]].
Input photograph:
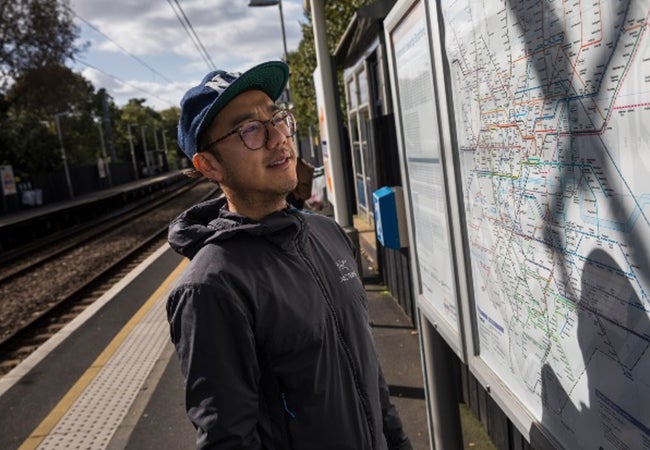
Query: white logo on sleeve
[[346, 273]]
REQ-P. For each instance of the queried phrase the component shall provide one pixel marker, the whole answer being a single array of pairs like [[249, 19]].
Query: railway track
[[54, 300], [24, 259]]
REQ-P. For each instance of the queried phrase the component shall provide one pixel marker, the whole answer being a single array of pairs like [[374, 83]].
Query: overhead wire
[[189, 29], [120, 47], [119, 80]]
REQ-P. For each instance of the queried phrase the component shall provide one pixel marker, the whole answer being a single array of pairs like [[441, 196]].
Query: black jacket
[[271, 328]]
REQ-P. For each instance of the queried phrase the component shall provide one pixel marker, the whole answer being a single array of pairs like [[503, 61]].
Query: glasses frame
[[264, 123]]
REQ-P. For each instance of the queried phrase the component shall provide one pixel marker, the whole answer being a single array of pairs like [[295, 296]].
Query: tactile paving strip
[[95, 416]]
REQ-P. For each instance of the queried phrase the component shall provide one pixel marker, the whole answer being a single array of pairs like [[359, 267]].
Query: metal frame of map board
[[571, 370], [424, 169], [493, 385], [488, 379]]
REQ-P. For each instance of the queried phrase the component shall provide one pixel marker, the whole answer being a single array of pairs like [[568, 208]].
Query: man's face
[[261, 175]]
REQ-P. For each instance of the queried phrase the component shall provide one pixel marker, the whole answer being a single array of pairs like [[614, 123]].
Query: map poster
[[421, 147], [552, 115]]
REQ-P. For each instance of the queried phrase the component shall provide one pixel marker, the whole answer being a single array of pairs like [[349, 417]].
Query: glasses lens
[[253, 134], [285, 123]]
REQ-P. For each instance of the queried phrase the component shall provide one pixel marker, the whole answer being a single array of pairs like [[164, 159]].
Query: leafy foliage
[[48, 90], [36, 101], [303, 61], [38, 90], [33, 34], [143, 127], [28, 143], [36, 38]]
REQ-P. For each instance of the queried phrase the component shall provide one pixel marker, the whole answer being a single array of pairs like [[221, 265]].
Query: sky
[[141, 49]]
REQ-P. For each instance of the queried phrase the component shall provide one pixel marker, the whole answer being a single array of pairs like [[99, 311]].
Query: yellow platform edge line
[[57, 413]]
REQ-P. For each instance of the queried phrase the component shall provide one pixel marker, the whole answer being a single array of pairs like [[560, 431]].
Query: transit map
[[552, 113]]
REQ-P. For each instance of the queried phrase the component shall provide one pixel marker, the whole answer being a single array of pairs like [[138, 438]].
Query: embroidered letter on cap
[[222, 81]]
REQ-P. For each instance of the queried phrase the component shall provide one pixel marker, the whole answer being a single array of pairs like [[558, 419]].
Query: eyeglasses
[[255, 134]]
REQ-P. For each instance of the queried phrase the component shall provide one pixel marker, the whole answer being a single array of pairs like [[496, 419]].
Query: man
[[269, 321]]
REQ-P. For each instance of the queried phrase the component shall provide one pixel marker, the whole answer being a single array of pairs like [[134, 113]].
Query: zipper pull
[[286, 407]]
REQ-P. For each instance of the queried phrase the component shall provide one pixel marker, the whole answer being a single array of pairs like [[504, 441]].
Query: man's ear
[[208, 165]]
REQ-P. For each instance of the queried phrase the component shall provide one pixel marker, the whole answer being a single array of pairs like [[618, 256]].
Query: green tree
[[34, 102], [114, 114], [28, 144], [33, 34], [147, 128], [36, 38], [169, 119], [51, 89], [303, 61]]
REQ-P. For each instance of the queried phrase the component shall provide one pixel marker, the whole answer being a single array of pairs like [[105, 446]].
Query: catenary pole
[[324, 67]]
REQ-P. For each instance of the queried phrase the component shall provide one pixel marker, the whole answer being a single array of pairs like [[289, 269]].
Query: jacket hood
[[210, 221]]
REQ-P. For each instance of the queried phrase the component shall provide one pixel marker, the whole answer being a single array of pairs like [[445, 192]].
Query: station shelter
[[361, 53], [506, 138]]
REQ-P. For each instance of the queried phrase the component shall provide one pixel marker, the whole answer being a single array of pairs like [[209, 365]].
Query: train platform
[[144, 184], [40, 223], [110, 379]]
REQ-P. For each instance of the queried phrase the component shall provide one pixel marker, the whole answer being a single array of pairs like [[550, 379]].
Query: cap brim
[[270, 77]]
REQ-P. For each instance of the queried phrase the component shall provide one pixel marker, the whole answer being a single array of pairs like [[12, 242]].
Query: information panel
[[421, 148], [552, 113]]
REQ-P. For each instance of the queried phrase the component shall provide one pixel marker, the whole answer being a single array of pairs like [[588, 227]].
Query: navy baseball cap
[[201, 104]]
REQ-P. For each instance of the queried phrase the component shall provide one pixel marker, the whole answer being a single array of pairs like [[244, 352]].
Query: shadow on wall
[[613, 335], [601, 401]]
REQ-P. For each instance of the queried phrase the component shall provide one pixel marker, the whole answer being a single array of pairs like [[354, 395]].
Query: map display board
[[422, 156], [552, 115]]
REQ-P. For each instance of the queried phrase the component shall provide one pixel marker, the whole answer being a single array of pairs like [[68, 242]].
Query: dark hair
[[204, 147]]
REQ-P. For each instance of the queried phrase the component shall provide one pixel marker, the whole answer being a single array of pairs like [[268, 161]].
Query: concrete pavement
[[397, 344]]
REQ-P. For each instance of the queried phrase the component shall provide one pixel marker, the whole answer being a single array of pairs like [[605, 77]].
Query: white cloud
[[235, 36], [158, 95]]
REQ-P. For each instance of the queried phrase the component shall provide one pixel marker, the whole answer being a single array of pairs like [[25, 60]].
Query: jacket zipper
[[286, 407], [337, 326]]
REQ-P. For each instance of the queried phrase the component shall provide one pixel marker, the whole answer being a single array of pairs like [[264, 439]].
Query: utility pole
[[98, 121], [63, 155], [332, 144], [135, 164], [106, 123], [164, 139], [144, 145], [255, 3]]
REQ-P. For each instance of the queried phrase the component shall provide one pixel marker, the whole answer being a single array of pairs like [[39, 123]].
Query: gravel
[[27, 296]]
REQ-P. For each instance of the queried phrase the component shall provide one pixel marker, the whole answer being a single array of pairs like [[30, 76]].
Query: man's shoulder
[[326, 229], [202, 280], [319, 219], [211, 262], [322, 222]]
